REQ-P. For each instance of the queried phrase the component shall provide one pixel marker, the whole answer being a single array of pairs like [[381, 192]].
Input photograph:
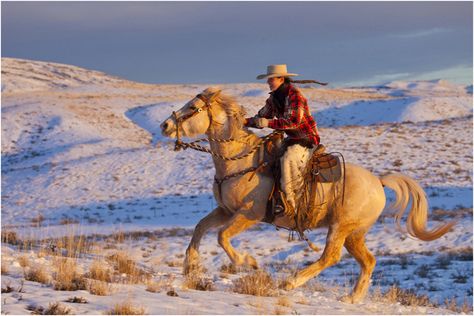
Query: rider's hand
[[261, 122]]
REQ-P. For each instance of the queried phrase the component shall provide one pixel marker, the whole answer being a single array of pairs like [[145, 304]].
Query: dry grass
[[37, 274], [7, 288], [99, 271], [452, 305], [100, 288], [260, 307], [4, 267], [77, 300], [195, 281], [283, 301], [66, 276], [280, 311], [258, 283], [126, 308], [228, 268], [162, 284], [23, 261], [53, 309], [10, 237], [73, 246], [125, 265], [405, 297], [303, 301]]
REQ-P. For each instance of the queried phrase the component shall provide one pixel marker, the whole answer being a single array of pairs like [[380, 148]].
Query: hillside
[[82, 154]]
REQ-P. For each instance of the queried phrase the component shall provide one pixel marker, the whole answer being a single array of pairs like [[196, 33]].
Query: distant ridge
[[28, 75]]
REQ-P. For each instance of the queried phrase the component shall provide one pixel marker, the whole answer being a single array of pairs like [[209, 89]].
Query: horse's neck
[[244, 142]]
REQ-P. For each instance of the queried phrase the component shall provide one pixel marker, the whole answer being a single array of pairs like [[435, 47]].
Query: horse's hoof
[[346, 299], [189, 268], [288, 285], [251, 262], [350, 299]]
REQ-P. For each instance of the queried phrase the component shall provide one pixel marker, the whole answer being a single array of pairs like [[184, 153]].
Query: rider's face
[[275, 82]]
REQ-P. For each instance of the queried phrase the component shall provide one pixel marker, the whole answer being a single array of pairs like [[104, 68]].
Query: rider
[[286, 109]]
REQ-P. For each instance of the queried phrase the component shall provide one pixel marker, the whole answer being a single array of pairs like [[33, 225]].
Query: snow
[[83, 147]]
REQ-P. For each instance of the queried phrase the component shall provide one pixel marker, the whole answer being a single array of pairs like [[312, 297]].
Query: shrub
[[73, 246], [195, 281], [77, 299], [284, 301], [9, 237], [126, 308], [57, 309], [162, 284], [4, 267], [7, 288], [460, 277], [37, 274], [23, 261], [443, 262], [99, 271], [453, 305], [228, 268], [53, 309], [406, 297], [423, 271], [66, 276], [258, 283], [100, 288], [124, 264]]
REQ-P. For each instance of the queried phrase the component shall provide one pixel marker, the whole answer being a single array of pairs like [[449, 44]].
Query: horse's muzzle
[[167, 127]]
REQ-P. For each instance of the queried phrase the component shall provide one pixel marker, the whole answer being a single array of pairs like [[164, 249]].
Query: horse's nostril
[[165, 126]]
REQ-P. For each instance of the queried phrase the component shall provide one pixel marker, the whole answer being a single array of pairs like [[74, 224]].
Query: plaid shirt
[[295, 119]]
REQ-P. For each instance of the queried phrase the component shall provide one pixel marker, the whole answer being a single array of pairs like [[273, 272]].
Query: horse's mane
[[235, 112]]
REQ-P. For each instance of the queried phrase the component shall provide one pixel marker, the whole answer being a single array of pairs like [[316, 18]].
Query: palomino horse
[[242, 195]]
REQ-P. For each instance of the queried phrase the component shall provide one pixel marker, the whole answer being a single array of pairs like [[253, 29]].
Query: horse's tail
[[406, 188]]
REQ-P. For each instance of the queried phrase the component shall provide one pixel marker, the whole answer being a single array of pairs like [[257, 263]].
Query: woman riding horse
[[286, 109], [241, 194]]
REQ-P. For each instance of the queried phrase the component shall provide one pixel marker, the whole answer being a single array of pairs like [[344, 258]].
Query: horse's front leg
[[241, 221], [214, 219]]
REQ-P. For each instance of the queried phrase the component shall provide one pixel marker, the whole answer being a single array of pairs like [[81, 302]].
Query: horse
[[241, 191]]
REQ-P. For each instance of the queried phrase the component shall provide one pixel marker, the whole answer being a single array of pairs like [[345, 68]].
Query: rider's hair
[[289, 80]]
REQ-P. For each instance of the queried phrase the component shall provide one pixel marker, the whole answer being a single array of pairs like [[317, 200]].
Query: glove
[[249, 122], [261, 122]]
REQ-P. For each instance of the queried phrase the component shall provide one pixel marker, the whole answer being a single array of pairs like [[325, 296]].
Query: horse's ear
[[215, 95]]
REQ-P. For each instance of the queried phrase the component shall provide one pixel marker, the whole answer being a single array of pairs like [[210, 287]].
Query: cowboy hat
[[276, 71]]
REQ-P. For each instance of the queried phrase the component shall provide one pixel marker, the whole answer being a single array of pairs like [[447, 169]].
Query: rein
[[179, 144]]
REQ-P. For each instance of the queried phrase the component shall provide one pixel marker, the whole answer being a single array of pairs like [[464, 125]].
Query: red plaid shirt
[[296, 120]]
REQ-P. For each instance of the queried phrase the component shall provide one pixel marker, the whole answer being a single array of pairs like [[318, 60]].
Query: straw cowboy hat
[[276, 71]]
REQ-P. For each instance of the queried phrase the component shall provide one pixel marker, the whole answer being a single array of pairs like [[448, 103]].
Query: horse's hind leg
[[239, 223], [331, 255], [214, 219], [355, 244]]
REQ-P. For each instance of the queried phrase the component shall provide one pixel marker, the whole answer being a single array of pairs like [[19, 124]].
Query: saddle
[[324, 167], [321, 168]]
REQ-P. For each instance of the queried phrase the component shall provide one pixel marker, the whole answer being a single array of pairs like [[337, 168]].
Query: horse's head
[[193, 118], [208, 108]]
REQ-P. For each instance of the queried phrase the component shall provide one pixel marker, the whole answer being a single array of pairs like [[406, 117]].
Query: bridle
[[179, 120], [179, 144]]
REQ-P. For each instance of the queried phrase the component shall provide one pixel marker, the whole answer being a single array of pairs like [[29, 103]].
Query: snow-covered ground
[[82, 154]]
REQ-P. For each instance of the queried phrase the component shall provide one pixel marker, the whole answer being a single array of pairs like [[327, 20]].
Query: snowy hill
[[82, 154], [23, 75]]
